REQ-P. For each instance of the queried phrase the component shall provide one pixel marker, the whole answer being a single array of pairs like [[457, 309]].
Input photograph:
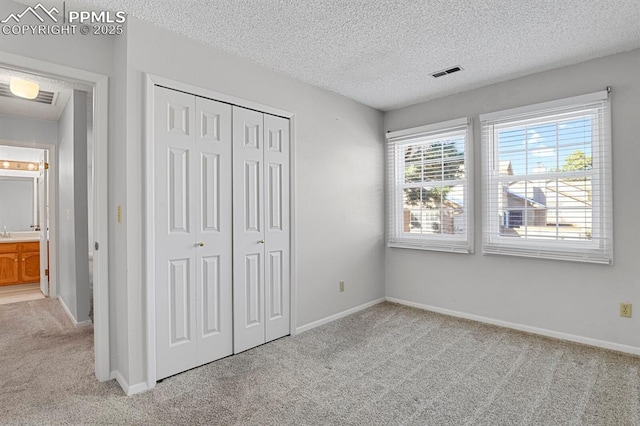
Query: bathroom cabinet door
[[30, 265], [9, 268]]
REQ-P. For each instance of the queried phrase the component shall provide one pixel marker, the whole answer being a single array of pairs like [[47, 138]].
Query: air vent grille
[[44, 97], [448, 71]]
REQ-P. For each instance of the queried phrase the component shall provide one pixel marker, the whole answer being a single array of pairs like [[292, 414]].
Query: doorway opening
[[68, 129], [24, 224], [61, 122]]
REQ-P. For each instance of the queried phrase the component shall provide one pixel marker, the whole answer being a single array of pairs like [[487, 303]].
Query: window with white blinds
[[428, 187], [547, 180]]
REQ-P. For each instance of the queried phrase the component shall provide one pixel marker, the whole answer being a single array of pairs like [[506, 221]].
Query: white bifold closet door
[[261, 239], [193, 231]]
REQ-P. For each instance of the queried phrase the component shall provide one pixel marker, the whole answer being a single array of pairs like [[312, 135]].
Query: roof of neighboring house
[[531, 201], [452, 204], [446, 203], [506, 168], [576, 191]]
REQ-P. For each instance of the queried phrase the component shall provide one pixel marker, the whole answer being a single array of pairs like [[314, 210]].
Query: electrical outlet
[[625, 310], [341, 286]]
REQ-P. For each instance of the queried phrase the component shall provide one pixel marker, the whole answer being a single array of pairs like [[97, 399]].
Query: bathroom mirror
[[18, 206]]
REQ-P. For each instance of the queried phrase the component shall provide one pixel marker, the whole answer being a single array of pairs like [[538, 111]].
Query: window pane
[[553, 209], [550, 147], [413, 159], [512, 152], [575, 158], [434, 161], [575, 131], [434, 210]]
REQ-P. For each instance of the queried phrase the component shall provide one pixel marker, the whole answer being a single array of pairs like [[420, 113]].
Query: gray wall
[[88, 52], [578, 299], [73, 259], [338, 172], [16, 203], [118, 294], [22, 129]]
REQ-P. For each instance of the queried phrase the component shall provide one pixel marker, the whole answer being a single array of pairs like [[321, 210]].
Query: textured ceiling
[[381, 53]]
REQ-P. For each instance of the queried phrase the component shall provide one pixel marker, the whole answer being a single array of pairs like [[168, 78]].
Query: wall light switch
[[119, 214]]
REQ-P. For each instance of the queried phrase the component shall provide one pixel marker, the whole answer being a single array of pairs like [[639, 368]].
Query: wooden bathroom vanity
[[19, 262]]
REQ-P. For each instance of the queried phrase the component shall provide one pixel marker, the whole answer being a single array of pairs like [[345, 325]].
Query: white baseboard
[[129, 390], [528, 329], [66, 310], [70, 315], [339, 315]]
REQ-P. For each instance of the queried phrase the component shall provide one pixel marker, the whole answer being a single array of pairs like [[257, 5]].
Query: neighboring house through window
[[548, 180], [428, 181]]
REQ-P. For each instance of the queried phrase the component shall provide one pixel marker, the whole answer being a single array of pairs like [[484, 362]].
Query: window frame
[[599, 249], [396, 237]]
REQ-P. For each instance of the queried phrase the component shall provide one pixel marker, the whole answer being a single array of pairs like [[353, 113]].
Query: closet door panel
[[180, 306], [248, 235], [277, 229], [214, 233], [176, 343]]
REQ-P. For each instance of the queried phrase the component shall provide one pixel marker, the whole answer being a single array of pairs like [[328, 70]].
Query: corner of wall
[[128, 389]]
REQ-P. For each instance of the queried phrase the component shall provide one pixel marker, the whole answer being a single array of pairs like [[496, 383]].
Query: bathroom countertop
[[21, 237]]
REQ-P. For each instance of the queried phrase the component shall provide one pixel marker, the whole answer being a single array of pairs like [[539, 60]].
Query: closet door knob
[[261, 242], [201, 244]]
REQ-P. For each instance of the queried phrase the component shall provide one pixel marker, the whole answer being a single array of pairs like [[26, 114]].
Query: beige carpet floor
[[386, 365]]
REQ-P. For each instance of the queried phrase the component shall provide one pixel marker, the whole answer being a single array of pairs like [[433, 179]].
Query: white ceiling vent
[[448, 71], [44, 97]]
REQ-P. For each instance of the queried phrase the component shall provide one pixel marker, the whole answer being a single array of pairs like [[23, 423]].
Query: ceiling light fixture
[[24, 88]]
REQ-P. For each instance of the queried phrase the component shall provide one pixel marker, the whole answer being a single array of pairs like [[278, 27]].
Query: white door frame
[[43, 221], [52, 184], [100, 85], [152, 80]]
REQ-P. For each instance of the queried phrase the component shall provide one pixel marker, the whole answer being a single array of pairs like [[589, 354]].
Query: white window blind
[[428, 187], [547, 180]]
